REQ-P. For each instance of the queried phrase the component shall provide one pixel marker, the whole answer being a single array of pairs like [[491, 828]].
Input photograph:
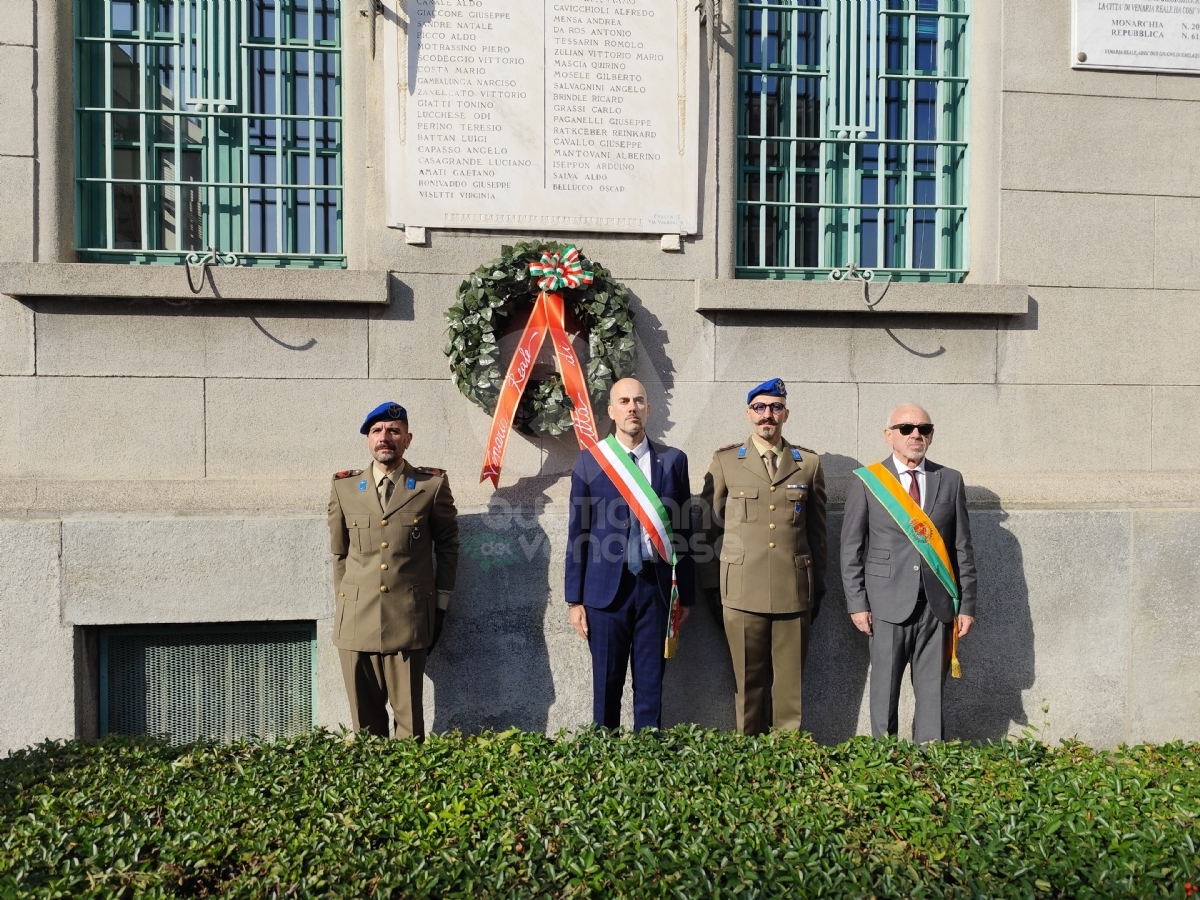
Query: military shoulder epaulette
[[431, 470], [346, 473], [805, 450], [729, 447]]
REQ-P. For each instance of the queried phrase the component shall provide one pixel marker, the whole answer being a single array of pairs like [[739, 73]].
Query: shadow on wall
[[491, 669], [698, 684], [835, 674], [998, 657]]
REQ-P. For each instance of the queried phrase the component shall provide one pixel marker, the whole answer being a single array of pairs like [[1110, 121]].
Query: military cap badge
[[388, 411], [772, 387]]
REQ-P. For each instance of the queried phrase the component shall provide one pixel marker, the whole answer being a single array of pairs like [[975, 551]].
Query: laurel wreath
[[493, 297]]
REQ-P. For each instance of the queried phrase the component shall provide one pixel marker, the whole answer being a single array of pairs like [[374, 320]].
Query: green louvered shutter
[[852, 138], [208, 682]]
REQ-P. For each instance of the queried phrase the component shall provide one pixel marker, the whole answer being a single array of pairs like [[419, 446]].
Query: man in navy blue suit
[[618, 586]]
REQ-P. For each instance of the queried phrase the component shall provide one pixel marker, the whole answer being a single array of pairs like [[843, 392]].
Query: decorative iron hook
[[211, 258], [866, 276]]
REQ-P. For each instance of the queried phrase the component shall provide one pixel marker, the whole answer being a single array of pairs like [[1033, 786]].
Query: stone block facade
[[167, 460]]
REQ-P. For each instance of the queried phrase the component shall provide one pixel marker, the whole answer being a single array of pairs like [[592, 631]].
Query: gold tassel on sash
[[955, 668]]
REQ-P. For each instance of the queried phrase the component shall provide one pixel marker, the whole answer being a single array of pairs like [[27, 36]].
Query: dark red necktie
[[913, 490]]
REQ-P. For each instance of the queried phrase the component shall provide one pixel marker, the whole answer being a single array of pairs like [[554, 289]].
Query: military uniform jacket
[[385, 580], [768, 534]]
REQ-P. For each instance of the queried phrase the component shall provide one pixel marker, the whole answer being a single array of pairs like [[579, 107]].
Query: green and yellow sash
[[913, 521]]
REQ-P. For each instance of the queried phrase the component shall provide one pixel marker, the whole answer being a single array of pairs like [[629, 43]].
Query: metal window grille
[[852, 138], [208, 682], [209, 124]]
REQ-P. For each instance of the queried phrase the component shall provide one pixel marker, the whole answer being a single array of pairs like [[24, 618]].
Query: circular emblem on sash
[[921, 530]]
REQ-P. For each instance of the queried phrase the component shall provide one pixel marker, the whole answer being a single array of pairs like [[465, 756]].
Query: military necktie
[[633, 546], [769, 459], [914, 489], [385, 491]]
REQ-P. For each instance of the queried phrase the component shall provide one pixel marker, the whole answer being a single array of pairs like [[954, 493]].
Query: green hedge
[[684, 813]]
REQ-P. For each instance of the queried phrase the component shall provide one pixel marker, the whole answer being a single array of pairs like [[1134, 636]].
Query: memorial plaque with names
[[1137, 35], [576, 115]]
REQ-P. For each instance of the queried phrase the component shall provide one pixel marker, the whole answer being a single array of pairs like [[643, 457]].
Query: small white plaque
[[1136, 35], [542, 115]]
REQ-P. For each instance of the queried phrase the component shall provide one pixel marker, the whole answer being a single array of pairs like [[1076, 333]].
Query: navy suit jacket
[[598, 529]]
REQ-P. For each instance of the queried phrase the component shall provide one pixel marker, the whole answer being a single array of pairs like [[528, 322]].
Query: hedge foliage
[[683, 813]]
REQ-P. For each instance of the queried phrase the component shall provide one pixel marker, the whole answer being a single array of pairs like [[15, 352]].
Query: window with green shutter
[[209, 124], [852, 138]]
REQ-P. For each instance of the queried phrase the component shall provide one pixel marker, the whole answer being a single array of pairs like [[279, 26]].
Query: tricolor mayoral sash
[[885, 487], [646, 505]]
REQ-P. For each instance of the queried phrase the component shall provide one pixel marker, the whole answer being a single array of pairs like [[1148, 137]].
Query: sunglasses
[[760, 408], [925, 429]]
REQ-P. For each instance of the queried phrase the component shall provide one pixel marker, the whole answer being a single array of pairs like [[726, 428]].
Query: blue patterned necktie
[[633, 546]]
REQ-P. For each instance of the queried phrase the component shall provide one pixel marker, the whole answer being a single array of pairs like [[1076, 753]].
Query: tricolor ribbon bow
[[555, 273]]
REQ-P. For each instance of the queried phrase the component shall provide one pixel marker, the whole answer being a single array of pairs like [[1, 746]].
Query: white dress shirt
[[907, 475], [641, 455]]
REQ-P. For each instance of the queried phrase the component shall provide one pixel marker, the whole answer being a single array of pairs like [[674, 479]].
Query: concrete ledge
[[749, 295], [170, 282]]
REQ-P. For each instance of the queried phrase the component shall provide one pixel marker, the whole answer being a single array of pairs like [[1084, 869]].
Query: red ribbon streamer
[[548, 317]]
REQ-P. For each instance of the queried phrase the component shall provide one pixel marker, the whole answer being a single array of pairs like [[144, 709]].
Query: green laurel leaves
[[496, 298]]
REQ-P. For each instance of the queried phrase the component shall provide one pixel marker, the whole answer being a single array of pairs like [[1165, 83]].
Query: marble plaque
[[1136, 35], [576, 115]]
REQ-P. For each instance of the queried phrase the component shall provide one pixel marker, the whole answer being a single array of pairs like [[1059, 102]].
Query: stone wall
[[168, 461], [1078, 634]]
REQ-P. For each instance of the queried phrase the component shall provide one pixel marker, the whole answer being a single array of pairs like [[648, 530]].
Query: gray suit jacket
[[882, 572]]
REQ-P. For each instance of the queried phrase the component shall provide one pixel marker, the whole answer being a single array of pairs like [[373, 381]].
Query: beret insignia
[[773, 387], [388, 410]]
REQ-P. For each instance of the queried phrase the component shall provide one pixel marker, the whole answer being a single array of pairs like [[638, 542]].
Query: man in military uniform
[[393, 530], [765, 499]]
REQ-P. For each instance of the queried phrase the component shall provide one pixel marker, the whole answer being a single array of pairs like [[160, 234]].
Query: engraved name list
[[560, 114]]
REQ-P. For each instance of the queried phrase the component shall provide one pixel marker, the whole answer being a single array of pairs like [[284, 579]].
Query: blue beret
[[389, 411], [772, 387]]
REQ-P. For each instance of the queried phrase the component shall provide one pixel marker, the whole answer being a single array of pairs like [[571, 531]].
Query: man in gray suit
[[893, 594]]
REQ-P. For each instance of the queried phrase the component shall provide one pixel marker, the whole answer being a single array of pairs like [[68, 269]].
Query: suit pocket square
[[879, 570]]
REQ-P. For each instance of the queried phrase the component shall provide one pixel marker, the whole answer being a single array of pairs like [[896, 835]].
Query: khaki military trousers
[[374, 679], [768, 651]]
